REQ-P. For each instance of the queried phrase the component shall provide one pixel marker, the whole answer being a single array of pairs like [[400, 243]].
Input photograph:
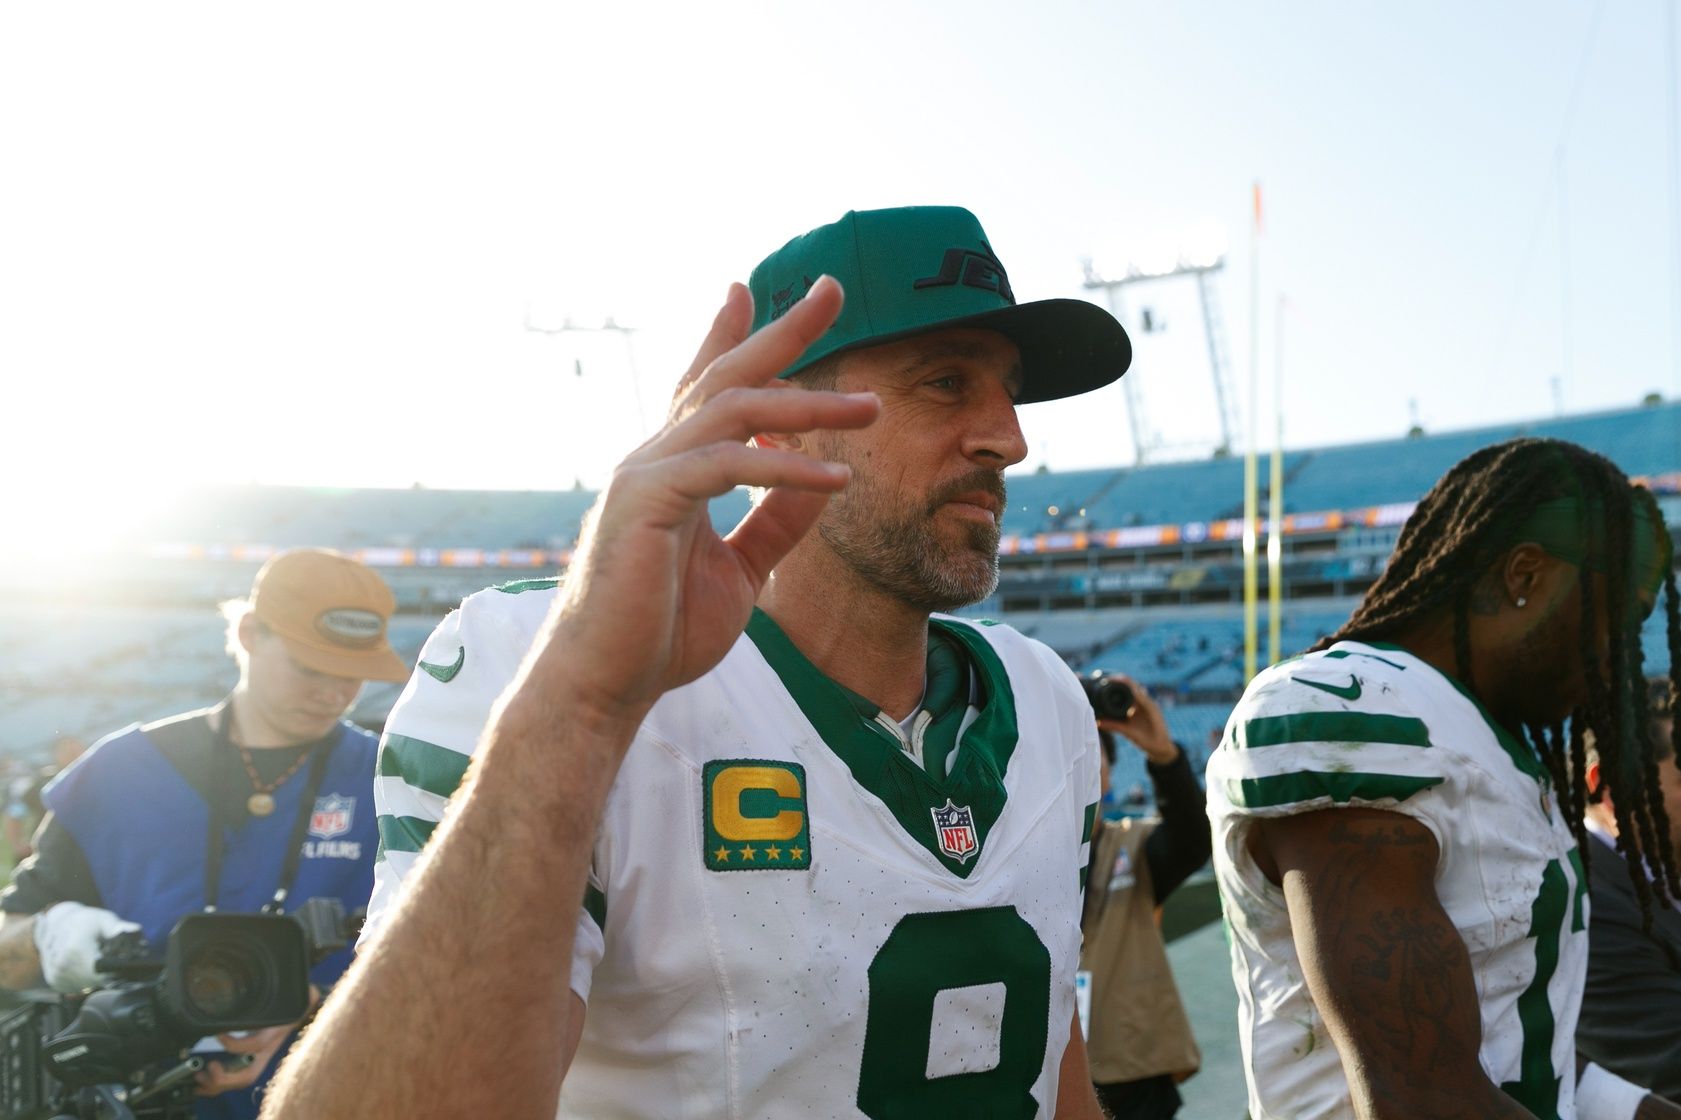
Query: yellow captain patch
[[756, 817]]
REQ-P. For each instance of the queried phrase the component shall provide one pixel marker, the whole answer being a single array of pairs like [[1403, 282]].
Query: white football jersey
[[1371, 725], [787, 916]]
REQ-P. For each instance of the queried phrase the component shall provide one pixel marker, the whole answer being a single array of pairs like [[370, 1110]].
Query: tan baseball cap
[[331, 611]]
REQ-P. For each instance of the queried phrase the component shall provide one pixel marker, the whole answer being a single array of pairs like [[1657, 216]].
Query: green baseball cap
[[922, 268]]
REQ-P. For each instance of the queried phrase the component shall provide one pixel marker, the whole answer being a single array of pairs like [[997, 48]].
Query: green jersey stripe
[[1091, 823], [1341, 653], [595, 905], [1537, 1085], [1308, 785], [421, 764], [1335, 727], [520, 586], [404, 834], [1579, 911]]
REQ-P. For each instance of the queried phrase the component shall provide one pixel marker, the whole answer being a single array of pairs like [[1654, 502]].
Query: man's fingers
[[730, 328], [737, 415], [773, 527], [767, 353], [716, 469], [669, 490]]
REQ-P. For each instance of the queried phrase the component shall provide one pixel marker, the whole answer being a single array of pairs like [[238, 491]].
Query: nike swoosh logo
[[1350, 691], [446, 673]]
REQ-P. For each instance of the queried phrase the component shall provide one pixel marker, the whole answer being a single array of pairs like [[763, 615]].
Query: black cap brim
[[1068, 346]]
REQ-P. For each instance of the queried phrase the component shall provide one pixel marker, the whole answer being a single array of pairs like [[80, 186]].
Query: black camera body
[[1110, 697], [121, 1051]]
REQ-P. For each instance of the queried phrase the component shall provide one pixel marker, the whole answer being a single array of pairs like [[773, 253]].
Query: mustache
[[986, 481]]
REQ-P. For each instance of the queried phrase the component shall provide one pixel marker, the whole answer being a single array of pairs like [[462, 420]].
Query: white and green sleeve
[[1325, 731], [432, 732]]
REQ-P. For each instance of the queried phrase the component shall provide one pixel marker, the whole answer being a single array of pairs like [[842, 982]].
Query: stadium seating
[[1641, 441], [152, 644], [88, 671]]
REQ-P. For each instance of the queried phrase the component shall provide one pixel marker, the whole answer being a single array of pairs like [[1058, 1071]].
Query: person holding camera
[[263, 801], [1140, 1044]]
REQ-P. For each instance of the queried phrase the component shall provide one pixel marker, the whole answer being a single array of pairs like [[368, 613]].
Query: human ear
[[779, 441], [248, 632], [1525, 572]]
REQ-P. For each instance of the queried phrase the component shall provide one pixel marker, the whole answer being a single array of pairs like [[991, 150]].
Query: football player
[[1398, 814], [756, 831]]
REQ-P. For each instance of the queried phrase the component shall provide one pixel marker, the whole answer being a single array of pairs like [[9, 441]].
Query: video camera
[[1110, 697], [120, 1052]]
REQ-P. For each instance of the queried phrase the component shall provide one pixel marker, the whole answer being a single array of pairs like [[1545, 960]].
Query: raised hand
[[654, 597]]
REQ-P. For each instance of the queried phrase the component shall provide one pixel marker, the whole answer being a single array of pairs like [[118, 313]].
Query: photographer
[[264, 800], [1140, 1043]]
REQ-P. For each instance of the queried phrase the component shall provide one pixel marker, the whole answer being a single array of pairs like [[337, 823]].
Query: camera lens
[[221, 981], [1110, 697]]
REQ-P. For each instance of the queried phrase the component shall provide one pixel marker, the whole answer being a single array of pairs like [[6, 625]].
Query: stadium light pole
[[608, 326], [1275, 499], [1129, 386], [1251, 499], [1213, 329], [1673, 97]]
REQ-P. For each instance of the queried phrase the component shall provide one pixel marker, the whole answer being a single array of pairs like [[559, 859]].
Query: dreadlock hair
[[1457, 533]]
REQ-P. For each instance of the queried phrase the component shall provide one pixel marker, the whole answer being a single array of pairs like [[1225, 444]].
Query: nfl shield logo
[[955, 826], [332, 816]]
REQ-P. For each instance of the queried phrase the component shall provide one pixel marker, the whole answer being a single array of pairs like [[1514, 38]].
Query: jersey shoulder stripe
[[436, 724], [404, 834], [1327, 729], [1340, 727], [425, 766], [1341, 787]]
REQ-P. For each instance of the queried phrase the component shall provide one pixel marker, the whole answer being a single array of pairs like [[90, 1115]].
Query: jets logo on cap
[[973, 268], [783, 299]]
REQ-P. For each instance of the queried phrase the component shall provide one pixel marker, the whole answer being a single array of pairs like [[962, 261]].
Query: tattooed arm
[[1383, 962]]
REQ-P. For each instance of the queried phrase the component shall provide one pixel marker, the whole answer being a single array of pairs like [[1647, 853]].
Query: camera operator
[[265, 799], [1140, 1042]]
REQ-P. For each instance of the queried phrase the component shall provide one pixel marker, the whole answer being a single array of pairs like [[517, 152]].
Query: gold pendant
[[259, 804]]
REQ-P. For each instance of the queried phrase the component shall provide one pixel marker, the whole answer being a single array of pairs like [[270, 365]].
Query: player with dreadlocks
[[1397, 813]]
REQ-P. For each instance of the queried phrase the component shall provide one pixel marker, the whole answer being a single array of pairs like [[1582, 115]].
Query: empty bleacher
[[153, 644], [88, 671], [1642, 441]]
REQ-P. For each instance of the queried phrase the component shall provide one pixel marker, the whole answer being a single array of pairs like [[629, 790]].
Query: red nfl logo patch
[[955, 826], [332, 816]]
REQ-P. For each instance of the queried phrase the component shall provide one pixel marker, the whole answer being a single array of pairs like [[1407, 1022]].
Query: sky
[[336, 244]]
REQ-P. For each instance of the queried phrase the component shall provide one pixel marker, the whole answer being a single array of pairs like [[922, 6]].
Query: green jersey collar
[[849, 726]]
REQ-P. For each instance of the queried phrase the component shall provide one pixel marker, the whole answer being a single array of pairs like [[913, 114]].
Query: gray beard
[[900, 554]]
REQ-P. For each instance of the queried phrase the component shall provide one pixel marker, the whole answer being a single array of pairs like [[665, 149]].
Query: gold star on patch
[[748, 852], [796, 853], [722, 855], [773, 852]]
